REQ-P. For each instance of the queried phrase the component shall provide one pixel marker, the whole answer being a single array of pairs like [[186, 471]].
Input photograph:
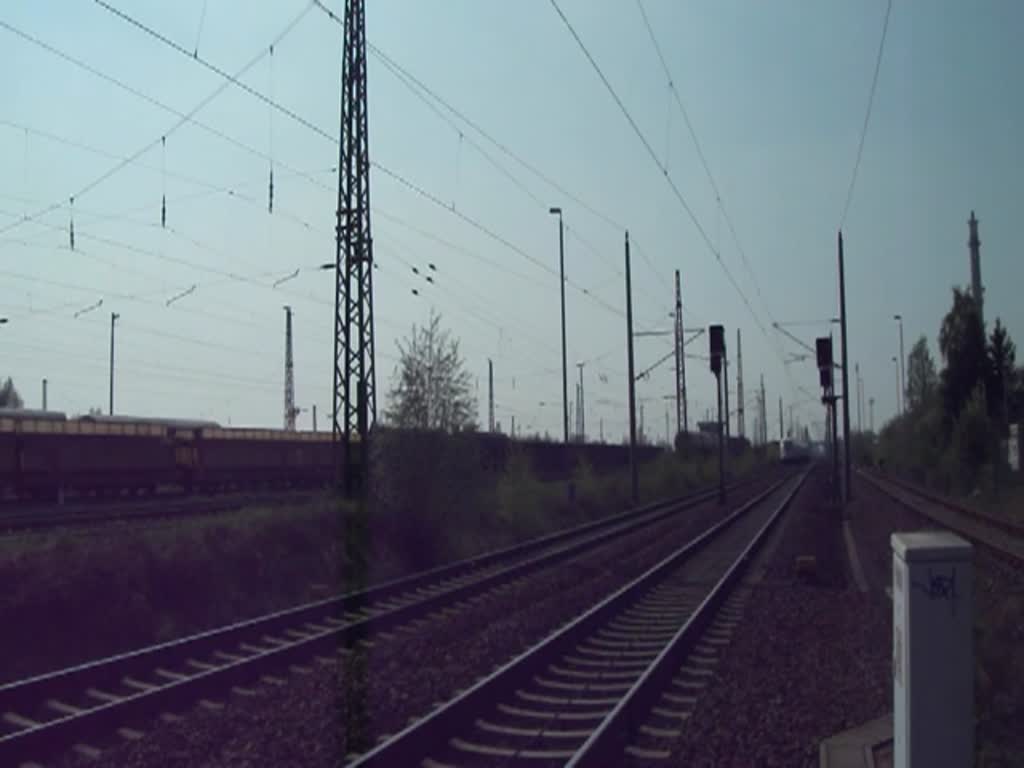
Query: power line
[[700, 151], [316, 129], [232, 79], [657, 162], [419, 88], [183, 119], [867, 115], [492, 234], [189, 117]]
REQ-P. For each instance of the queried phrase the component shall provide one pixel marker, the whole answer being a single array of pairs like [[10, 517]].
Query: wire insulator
[[163, 212], [270, 196], [71, 227]]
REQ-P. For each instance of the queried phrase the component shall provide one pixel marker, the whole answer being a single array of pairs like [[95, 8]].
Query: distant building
[[974, 244]]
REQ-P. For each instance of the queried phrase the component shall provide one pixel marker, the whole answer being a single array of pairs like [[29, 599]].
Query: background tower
[[355, 391], [975, 245]]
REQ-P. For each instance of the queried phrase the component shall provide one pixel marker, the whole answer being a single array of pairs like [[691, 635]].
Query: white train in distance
[[794, 452]]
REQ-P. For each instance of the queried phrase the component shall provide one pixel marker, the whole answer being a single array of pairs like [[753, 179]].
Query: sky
[[776, 94]]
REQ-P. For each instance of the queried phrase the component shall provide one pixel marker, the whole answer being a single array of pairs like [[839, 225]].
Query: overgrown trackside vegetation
[[950, 437], [435, 496], [77, 595]]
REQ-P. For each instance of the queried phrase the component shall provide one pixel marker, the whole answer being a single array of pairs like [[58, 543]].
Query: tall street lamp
[[561, 273], [903, 383], [113, 319]]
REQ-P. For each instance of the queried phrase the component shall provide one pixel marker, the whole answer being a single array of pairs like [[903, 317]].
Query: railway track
[[50, 517], [615, 685], [70, 707], [1003, 536]]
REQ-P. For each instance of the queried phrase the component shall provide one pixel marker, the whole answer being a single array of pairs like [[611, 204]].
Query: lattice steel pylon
[[680, 353], [290, 412], [355, 391], [741, 421]]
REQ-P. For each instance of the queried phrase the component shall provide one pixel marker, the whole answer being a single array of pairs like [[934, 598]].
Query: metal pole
[[113, 318], [903, 373], [490, 396], [634, 479], [899, 410], [856, 372], [581, 417], [565, 374], [782, 433], [725, 386], [681, 414], [764, 415], [846, 375], [721, 443], [44, 394], [835, 447], [314, 417], [741, 427]]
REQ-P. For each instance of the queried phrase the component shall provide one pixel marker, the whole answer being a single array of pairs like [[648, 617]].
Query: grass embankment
[[73, 596]]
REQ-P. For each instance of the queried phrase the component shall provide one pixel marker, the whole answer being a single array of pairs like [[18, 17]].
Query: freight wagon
[[45, 455]]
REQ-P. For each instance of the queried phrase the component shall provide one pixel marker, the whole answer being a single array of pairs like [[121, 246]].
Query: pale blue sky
[[775, 91]]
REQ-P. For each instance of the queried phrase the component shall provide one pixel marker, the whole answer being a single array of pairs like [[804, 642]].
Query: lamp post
[[897, 363], [903, 383], [113, 318], [561, 284]]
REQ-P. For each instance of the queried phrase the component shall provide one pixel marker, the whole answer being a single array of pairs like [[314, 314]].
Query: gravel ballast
[[810, 657]]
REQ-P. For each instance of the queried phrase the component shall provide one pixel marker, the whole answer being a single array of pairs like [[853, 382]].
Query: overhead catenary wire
[[234, 80], [653, 155], [271, 157], [867, 116], [700, 151], [422, 92], [146, 97], [185, 118]]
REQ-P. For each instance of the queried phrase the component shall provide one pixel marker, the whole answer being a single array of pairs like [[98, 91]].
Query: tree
[[922, 380], [962, 342], [1015, 396], [9, 397], [1002, 353], [972, 441], [431, 387]]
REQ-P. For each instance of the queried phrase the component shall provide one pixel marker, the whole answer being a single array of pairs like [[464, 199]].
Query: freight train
[[46, 455]]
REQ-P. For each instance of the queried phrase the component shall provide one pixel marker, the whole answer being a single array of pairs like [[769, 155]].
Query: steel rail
[[611, 737], [428, 735], [237, 652], [977, 526]]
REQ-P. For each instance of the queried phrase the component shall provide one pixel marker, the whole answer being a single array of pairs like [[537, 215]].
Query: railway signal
[[823, 348]]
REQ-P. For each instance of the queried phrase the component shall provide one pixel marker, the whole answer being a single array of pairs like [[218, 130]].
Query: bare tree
[[431, 387], [9, 397]]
